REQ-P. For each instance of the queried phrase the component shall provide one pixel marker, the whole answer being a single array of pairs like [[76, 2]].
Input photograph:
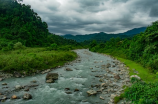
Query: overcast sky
[[93, 16]]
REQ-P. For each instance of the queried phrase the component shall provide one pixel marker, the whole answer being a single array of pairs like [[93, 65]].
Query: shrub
[[18, 45]]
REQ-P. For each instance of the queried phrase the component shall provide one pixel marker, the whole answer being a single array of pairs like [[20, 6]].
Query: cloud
[[90, 16]]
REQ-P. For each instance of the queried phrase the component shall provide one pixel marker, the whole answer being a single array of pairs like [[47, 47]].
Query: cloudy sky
[[92, 16]]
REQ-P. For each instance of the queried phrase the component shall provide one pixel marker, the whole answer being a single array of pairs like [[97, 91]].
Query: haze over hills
[[101, 37]]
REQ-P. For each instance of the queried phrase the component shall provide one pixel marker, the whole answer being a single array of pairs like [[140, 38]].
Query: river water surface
[[85, 68]]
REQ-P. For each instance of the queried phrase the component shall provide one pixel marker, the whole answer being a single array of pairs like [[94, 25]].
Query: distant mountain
[[102, 37], [134, 31]]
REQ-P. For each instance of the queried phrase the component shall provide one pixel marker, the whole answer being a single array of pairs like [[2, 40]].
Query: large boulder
[[51, 77]]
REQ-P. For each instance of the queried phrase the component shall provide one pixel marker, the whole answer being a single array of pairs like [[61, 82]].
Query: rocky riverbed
[[91, 79]]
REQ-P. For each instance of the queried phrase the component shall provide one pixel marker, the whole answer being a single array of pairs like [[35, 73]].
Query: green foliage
[[54, 46], [32, 59], [18, 45], [19, 23], [142, 48], [142, 93]]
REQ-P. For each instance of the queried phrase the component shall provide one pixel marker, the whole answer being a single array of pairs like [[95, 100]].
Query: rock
[[50, 77], [27, 96], [34, 81], [14, 97], [101, 80], [27, 89], [117, 77], [4, 83], [45, 71], [32, 85], [101, 98], [68, 92], [18, 87], [76, 90], [68, 69], [108, 65], [97, 76], [1, 79], [91, 92], [3, 97], [17, 75], [67, 88], [135, 76], [49, 81]]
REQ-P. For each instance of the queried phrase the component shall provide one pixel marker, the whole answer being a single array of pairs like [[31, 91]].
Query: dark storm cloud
[[90, 16]]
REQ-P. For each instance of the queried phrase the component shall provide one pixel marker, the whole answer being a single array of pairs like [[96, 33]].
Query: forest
[[24, 38]]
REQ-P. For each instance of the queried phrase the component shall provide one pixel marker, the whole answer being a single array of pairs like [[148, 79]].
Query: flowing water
[[81, 78]]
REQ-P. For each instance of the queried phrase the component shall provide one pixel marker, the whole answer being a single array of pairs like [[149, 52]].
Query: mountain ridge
[[101, 36]]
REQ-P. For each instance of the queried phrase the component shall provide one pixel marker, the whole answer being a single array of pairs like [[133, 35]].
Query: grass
[[144, 73], [30, 60]]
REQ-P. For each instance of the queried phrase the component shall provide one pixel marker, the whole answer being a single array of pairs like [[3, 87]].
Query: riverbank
[[31, 61]]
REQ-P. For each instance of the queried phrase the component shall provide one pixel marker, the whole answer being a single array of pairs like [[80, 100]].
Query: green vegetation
[[140, 53], [19, 23], [30, 60], [142, 48], [142, 93], [25, 42]]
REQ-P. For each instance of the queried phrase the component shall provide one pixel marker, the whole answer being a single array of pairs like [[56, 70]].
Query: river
[[72, 86]]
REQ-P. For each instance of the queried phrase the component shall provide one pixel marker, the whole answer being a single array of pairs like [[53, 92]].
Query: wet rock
[[102, 98], [4, 83], [76, 90], [97, 85], [18, 87], [17, 75], [26, 89], [91, 92], [67, 88], [50, 77], [27, 96], [101, 80], [14, 97], [68, 92], [50, 81], [68, 69], [3, 97], [97, 76], [108, 65], [1, 79], [34, 81], [45, 71], [117, 77]]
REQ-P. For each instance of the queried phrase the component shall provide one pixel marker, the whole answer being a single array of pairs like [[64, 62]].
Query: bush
[[18, 45], [142, 93]]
